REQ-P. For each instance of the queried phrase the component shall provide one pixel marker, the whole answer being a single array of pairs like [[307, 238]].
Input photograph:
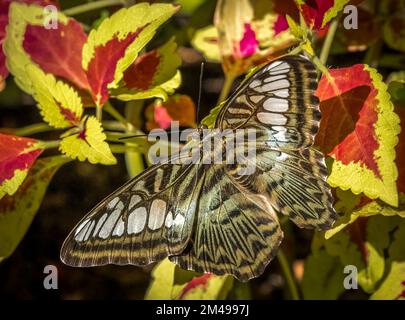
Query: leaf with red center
[[17, 155], [58, 51], [18, 211], [317, 13], [197, 282], [140, 74], [59, 104], [88, 143], [153, 74], [113, 47], [179, 108], [53, 51], [4, 6], [359, 131]]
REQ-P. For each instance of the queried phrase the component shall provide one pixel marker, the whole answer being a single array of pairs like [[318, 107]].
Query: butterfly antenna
[[133, 136], [200, 90]]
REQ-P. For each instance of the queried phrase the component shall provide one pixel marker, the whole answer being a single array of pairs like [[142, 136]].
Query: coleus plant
[[73, 74]]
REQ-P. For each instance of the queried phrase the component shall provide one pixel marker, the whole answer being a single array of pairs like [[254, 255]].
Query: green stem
[[321, 67], [93, 6], [289, 278], [295, 51], [51, 144], [328, 41], [32, 129], [108, 107], [226, 88], [134, 161]]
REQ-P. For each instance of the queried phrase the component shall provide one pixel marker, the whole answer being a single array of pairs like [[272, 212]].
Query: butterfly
[[208, 218]]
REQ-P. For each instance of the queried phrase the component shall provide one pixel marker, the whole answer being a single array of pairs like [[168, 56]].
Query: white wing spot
[[112, 203], [179, 220], [109, 224], [254, 84], [137, 220], [82, 230], [119, 228], [272, 86], [281, 66], [89, 230], [100, 223], [272, 118], [275, 78], [169, 219], [135, 199], [282, 93], [274, 64], [157, 214], [80, 227], [276, 105]]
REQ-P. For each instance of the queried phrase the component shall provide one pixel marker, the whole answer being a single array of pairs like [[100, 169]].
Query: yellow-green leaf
[[18, 211], [88, 144], [60, 105]]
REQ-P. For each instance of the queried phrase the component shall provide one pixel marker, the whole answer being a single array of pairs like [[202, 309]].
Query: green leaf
[[60, 105], [18, 211], [363, 245], [334, 10], [323, 277], [89, 143], [295, 29], [370, 209], [393, 286], [209, 120], [396, 87]]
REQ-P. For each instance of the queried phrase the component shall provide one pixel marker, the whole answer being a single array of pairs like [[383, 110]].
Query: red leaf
[[400, 150], [348, 116], [58, 51], [13, 155], [141, 73], [314, 12], [102, 66], [194, 283]]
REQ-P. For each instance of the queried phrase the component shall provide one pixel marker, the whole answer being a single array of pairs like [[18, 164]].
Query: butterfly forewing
[[145, 220]]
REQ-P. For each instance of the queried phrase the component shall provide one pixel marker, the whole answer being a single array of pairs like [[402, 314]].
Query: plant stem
[[93, 6], [33, 129], [108, 107], [328, 41], [50, 144], [321, 67], [295, 51], [289, 278], [226, 88]]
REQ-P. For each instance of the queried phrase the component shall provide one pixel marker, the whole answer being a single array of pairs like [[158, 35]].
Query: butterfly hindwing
[[145, 220], [237, 232]]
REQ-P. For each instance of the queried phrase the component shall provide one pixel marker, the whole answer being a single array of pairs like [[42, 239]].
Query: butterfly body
[[210, 214]]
